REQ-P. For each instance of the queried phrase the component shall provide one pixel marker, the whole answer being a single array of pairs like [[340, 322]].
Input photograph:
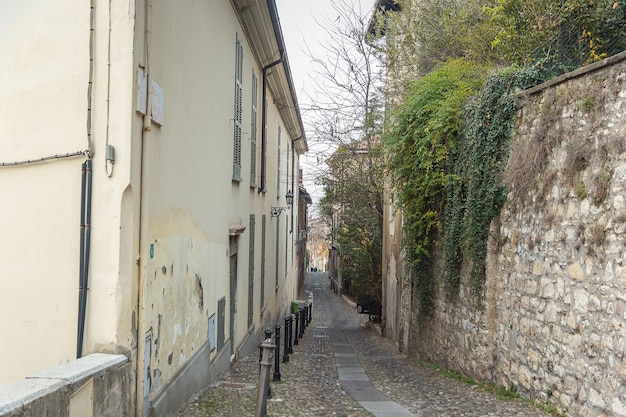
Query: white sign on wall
[[158, 103], [142, 90], [212, 332]]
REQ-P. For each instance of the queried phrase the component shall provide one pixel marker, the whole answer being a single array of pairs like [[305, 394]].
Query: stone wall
[[552, 323]]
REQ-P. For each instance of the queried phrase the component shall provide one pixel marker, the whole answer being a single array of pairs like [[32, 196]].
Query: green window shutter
[[238, 109], [253, 130], [277, 260], [263, 236], [278, 166], [251, 271]]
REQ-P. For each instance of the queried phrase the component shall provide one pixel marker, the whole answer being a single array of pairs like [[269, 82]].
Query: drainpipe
[[140, 397], [271, 5], [293, 189], [85, 249], [264, 121], [85, 204]]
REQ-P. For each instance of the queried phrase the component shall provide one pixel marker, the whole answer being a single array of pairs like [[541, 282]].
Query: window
[[238, 109], [253, 129]]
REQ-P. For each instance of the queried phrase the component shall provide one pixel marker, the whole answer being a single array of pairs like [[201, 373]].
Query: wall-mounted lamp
[[277, 210]]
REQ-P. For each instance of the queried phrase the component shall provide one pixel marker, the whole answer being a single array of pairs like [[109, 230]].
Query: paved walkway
[[341, 369]]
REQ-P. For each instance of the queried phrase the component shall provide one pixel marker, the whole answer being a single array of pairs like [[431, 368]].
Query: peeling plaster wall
[[182, 290], [194, 217]]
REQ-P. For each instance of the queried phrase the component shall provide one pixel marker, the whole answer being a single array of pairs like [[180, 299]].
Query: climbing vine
[[424, 132], [478, 195], [447, 150]]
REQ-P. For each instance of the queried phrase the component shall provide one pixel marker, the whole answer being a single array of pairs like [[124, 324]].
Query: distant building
[[319, 234], [147, 178]]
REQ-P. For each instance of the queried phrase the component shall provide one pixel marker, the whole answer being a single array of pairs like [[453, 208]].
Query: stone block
[[559, 288], [525, 377], [618, 407], [559, 370], [595, 398], [571, 321], [594, 303], [581, 300], [530, 287], [547, 288], [570, 385], [533, 359], [575, 271]]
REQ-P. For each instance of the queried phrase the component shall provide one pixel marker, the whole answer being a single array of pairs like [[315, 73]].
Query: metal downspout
[[293, 173], [264, 121], [85, 203], [81, 269], [141, 390], [85, 249]]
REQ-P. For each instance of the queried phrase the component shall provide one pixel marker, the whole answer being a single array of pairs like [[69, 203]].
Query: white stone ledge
[[19, 393], [84, 367]]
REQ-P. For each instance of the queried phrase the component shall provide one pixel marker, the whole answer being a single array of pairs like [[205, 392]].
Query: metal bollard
[[286, 336], [302, 322], [264, 378], [268, 335], [306, 316], [276, 376], [290, 317], [310, 312], [297, 332]]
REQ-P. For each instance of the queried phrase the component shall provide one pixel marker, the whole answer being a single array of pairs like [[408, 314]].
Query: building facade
[[149, 206]]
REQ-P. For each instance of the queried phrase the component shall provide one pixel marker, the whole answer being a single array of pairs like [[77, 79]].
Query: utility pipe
[[271, 5], [293, 169], [264, 121], [85, 202], [85, 249], [143, 190], [81, 268]]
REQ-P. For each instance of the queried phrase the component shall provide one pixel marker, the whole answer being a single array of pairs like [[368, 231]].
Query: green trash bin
[[294, 307]]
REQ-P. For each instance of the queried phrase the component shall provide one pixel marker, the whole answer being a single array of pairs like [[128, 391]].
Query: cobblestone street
[[312, 386]]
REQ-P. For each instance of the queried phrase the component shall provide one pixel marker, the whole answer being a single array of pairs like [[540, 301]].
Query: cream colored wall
[[170, 186], [44, 75], [113, 292], [189, 198]]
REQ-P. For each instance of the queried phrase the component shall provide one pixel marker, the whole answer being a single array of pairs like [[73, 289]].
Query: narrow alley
[[340, 368]]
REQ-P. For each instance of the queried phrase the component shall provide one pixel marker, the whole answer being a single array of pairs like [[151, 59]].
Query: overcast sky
[[301, 22]]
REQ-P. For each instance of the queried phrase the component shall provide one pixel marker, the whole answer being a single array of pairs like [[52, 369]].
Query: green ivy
[[423, 134], [447, 150], [480, 194]]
